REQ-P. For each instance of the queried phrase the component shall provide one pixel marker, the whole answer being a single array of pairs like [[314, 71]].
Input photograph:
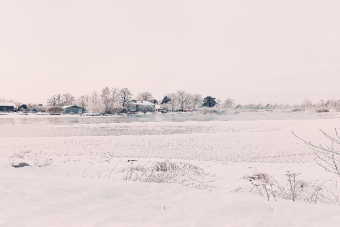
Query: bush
[[295, 190], [168, 172], [328, 157], [55, 110], [322, 110], [206, 110]]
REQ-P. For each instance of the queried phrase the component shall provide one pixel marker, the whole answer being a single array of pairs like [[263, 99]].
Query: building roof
[[65, 107], [146, 103], [7, 104]]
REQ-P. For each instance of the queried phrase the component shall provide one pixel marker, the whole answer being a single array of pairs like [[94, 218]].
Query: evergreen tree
[[165, 100], [209, 101]]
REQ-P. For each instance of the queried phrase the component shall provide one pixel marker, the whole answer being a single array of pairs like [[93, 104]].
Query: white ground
[[81, 181]]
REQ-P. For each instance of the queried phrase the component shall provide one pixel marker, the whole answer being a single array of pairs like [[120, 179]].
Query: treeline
[[331, 104], [114, 100], [321, 106]]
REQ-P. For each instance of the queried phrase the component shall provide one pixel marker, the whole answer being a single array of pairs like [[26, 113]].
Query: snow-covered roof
[[147, 103], [65, 107], [7, 104]]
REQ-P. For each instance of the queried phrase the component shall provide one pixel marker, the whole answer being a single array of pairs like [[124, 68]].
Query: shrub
[[168, 172], [295, 190], [206, 110], [55, 110], [322, 110], [328, 157]]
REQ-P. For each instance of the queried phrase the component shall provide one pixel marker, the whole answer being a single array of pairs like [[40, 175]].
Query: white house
[[141, 106]]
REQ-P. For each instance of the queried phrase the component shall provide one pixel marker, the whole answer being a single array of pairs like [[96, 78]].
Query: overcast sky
[[252, 51]]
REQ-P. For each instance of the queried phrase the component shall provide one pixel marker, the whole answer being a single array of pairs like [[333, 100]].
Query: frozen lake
[[177, 117], [14, 125]]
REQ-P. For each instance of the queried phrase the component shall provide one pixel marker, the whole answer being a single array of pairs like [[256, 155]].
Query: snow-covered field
[[162, 174]]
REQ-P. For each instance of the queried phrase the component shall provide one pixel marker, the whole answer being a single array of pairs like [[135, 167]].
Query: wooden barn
[[7, 107], [73, 109]]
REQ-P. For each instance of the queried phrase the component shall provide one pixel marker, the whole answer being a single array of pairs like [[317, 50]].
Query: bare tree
[[83, 101], [115, 97], [106, 98], [189, 102], [68, 99], [198, 101], [327, 157], [95, 102], [173, 101], [229, 103], [259, 106], [333, 104], [126, 96], [182, 97], [218, 103], [321, 104], [306, 104], [53, 101], [145, 96], [61, 100]]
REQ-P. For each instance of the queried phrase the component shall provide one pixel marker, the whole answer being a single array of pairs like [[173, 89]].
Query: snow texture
[[160, 174]]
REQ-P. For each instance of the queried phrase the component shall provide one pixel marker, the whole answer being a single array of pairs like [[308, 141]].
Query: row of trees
[[112, 100], [109, 100], [305, 104], [261, 106], [186, 101], [322, 104], [61, 100]]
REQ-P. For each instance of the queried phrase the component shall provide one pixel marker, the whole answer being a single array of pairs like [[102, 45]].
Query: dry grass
[[36, 159], [169, 172], [295, 190]]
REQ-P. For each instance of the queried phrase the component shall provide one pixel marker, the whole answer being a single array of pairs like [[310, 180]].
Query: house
[[73, 109], [141, 106], [161, 109], [7, 107], [158, 108]]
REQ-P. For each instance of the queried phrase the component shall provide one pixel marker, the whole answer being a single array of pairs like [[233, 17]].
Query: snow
[[7, 104], [147, 103], [65, 107], [79, 174]]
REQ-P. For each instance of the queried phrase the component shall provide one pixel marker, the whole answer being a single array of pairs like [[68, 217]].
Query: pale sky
[[252, 51]]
